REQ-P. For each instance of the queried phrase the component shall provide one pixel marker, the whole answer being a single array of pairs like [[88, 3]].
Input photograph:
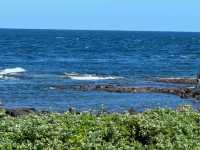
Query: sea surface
[[34, 62]]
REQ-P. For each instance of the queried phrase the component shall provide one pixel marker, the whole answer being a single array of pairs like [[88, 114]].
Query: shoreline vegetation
[[152, 129]]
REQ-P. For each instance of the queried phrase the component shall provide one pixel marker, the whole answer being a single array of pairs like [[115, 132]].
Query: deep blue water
[[122, 58]]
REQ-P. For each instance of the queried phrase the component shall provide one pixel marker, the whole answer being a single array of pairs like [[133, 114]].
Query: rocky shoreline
[[188, 90], [184, 92]]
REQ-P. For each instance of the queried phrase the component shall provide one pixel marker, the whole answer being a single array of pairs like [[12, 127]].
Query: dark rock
[[73, 110], [44, 112], [59, 87], [19, 111], [178, 80], [132, 111], [183, 92]]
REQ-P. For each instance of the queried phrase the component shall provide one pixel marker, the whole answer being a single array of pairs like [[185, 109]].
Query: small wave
[[89, 77], [183, 56], [60, 37], [6, 73]]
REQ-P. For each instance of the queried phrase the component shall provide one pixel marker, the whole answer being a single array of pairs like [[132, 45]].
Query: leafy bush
[[153, 129]]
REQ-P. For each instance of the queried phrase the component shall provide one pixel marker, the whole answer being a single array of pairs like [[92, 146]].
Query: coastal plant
[[152, 129]]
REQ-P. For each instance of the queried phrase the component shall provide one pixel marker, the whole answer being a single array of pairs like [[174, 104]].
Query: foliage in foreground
[[153, 129]]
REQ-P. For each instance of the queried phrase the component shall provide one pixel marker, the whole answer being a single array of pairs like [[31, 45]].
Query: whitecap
[[1, 76], [89, 77], [6, 73]]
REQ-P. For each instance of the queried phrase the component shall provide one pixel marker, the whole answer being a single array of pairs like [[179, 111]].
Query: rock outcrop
[[177, 80], [182, 92], [15, 112]]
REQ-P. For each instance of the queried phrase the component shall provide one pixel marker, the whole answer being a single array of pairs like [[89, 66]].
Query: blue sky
[[140, 15]]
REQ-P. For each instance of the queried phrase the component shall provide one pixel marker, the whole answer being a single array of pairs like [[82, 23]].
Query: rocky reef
[[185, 91], [182, 92], [177, 80]]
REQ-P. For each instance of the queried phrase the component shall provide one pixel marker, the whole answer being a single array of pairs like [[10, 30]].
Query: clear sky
[[141, 15]]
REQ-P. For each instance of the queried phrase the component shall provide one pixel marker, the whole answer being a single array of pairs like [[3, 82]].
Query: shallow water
[[58, 57]]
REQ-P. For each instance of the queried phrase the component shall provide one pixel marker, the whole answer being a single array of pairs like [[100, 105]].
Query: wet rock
[[72, 110], [196, 93], [132, 111], [183, 92], [178, 80], [19, 111]]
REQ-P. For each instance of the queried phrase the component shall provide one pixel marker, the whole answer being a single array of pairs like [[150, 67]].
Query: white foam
[[11, 72], [89, 77], [1, 76]]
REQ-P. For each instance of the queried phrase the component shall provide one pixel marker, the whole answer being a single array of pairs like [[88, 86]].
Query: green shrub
[[153, 129]]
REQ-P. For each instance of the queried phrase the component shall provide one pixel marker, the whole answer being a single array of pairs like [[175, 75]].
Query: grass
[[153, 129]]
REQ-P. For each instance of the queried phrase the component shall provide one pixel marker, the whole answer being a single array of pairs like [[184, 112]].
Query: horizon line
[[106, 30]]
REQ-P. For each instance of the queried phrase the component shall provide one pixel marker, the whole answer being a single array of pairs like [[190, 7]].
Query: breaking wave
[[89, 77], [10, 72]]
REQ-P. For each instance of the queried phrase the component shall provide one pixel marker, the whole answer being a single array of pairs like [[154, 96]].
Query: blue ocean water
[[66, 57]]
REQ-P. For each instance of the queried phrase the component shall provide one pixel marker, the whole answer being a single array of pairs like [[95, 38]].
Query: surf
[[89, 77], [10, 72]]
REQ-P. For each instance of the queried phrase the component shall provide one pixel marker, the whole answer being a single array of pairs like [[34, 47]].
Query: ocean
[[34, 62]]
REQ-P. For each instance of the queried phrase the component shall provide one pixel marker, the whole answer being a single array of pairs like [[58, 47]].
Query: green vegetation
[[153, 129]]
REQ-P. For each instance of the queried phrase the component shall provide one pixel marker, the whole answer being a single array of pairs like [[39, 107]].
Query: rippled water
[[94, 57]]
